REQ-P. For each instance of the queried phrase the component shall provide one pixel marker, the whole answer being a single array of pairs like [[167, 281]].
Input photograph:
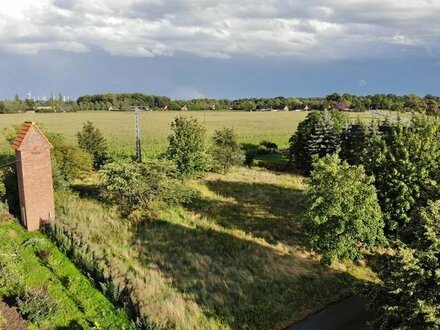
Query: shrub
[[226, 150], [141, 188], [270, 146], [11, 277], [90, 139], [251, 151], [342, 213], [36, 305], [188, 147], [72, 162]]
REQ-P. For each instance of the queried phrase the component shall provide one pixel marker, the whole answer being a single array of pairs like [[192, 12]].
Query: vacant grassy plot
[[78, 304], [118, 127], [234, 258]]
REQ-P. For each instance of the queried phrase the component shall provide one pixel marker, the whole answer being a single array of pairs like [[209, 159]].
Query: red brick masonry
[[34, 174]]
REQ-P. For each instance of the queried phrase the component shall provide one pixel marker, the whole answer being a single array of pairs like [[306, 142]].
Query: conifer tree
[[91, 140]]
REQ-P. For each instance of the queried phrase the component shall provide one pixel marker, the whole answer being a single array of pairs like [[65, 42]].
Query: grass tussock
[[234, 258]]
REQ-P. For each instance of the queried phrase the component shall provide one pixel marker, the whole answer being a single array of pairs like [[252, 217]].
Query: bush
[[90, 139], [36, 305], [11, 277], [188, 147], [226, 151], [72, 162], [342, 213], [270, 146], [140, 189]]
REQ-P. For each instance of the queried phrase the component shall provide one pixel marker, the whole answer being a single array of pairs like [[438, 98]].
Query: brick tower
[[34, 174]]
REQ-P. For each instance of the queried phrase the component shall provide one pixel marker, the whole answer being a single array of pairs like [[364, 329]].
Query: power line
[[8, 164]]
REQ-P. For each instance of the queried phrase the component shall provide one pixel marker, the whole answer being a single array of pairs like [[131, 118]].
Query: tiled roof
[[16, 144]]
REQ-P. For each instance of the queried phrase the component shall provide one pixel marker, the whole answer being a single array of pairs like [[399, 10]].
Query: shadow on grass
[[240, 282], [263, 210]]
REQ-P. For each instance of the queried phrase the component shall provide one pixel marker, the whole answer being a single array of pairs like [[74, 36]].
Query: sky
[[219, 48]]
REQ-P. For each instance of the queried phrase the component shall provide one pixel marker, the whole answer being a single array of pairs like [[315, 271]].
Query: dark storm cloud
[[316, 29]]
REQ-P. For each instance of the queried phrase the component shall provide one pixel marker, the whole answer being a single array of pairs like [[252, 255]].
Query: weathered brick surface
[[34, 173]]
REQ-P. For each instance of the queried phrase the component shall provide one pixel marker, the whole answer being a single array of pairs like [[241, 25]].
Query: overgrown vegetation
[[233, 258], [51, 292], [142, 189], [226, 150]]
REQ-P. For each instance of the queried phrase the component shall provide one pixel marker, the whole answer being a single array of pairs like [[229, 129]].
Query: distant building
[[184, 108], [286, 108], [29, 110], [341, 107], [306, 108]]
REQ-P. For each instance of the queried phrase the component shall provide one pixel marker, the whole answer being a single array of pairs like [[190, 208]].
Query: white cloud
[[316, 29]]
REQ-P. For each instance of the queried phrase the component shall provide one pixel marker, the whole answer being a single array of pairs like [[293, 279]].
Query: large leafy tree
[[188, 147], [342, 213], [405, 162], [90, 139], [409, 298], [319, 134]]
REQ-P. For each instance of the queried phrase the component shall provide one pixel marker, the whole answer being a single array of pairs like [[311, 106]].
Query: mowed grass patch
[[78, 303], [118, 127], [234, 258]]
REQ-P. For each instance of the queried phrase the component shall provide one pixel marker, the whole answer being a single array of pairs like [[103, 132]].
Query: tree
[[319, 134], [342, 213], [90, 139], [353, 142], [226, 150], [188, 147], [409, 298], [405, 162]]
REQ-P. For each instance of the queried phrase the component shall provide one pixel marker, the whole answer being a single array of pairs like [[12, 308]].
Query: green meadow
[[118, 127]]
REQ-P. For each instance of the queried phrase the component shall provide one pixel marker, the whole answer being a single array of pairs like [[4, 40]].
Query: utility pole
[[138, 134]]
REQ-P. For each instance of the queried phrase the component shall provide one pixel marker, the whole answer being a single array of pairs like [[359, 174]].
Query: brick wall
[[34, 173]]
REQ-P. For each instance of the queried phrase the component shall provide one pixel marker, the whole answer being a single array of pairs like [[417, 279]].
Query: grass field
[[118, 127], [78, 303], [234, 258]]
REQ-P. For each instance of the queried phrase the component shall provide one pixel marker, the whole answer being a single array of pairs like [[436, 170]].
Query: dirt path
[[14, 321], [349, 314]]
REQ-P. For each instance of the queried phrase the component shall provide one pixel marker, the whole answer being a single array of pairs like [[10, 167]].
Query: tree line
[[123, 101], [412, 102]]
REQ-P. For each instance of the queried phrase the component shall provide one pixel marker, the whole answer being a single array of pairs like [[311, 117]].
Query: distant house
[[286, 108], [29, 110], [184, 108], [306, 108], [341, 107], [164, 108]]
